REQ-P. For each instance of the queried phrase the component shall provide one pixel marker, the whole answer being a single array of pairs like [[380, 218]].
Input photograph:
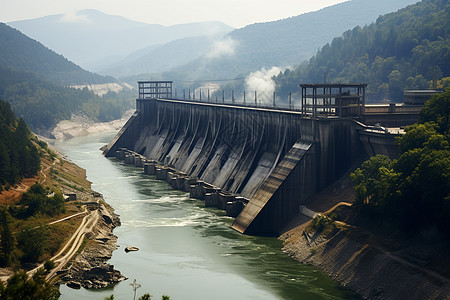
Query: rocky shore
[[89, 269], [80, 126], [351, 257]]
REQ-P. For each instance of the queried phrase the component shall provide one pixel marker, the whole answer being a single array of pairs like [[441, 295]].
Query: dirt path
[[75, 241], [44, 176], [336, 206], [13, 195], [67, 218]]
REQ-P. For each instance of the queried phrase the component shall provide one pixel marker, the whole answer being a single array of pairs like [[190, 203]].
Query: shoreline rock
[[349, 258], [81, 126], [131, 248], [89, 269]]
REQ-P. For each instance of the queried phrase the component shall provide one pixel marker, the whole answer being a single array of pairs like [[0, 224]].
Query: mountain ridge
[[23, 53], [88, 36], [163, 57], [408, 49], [286, 42], [36, 82]]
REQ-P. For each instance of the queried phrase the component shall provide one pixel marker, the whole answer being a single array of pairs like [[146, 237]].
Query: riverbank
[[374, 266], [89, 269], [81, 126], [86, 264], [82, 233]]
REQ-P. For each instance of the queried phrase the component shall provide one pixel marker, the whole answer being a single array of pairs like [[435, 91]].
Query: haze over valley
[[116, 46], [253, 149]]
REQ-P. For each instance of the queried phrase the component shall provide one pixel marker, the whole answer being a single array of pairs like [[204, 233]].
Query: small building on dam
[[260, 163]]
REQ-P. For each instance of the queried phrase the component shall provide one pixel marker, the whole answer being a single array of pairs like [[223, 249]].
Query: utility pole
[[290, 100], [135, 287]]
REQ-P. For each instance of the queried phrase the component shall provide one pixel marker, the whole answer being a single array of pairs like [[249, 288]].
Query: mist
[[222, 48], [261, 81]]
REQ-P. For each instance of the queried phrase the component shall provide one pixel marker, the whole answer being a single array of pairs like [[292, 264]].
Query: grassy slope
[[61, 175]]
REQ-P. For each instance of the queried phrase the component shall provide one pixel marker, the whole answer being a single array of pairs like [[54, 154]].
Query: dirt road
[[75, 241]]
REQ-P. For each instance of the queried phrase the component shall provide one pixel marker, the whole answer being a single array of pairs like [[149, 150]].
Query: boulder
[[74, 285], [131, 248], [101, 276]]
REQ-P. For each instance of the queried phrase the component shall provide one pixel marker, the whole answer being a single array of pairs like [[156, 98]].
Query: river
[[187, 251]]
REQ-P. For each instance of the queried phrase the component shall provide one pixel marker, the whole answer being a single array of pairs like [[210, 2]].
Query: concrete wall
[[242, 150]]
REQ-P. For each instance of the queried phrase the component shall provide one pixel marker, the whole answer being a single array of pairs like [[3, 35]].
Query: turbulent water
[[186, 251]]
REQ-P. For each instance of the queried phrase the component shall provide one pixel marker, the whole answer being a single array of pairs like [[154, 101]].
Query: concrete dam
[[266, 161]]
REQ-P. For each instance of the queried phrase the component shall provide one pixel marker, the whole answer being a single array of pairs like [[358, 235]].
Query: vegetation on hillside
[[35, 80], [412, 191], [408, 49], [20, 286], [281, 43], [42, 103], [37, 200], [23, 53], [27, 237], [19, 157], [32, 240], [24, 236]]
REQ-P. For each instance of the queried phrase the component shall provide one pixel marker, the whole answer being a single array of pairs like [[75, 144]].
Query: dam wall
[[275, 158]]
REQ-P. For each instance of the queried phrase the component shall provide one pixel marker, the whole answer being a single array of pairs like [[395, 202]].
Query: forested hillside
[[18, 156], [408, 49], [33, 80], [23, 53], [285, 42], [43, 103], [413, 191]]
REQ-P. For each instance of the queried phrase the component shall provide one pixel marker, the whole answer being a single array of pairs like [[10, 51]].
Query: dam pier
[[258, 163]]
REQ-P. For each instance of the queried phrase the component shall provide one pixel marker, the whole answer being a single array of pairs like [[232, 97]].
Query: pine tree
[[7, 239]]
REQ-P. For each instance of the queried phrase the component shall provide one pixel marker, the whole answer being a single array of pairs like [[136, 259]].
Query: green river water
[[187, 251]]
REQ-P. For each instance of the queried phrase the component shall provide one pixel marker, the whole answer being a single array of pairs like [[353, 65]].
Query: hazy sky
[[236, 13]]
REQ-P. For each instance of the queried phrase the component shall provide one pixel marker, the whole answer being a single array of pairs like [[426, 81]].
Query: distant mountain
[[156, 59], [89, 36], [23, 53], [285, 42], [34, 80], [408, 49]]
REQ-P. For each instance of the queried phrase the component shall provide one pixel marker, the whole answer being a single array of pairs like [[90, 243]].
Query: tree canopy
[[408, 49], [20, 286], [19, 157], [23, 53], [414, 189], [36, 82]]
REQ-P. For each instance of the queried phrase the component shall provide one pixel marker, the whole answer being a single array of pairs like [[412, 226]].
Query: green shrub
[[49, 265], [320, 223]]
